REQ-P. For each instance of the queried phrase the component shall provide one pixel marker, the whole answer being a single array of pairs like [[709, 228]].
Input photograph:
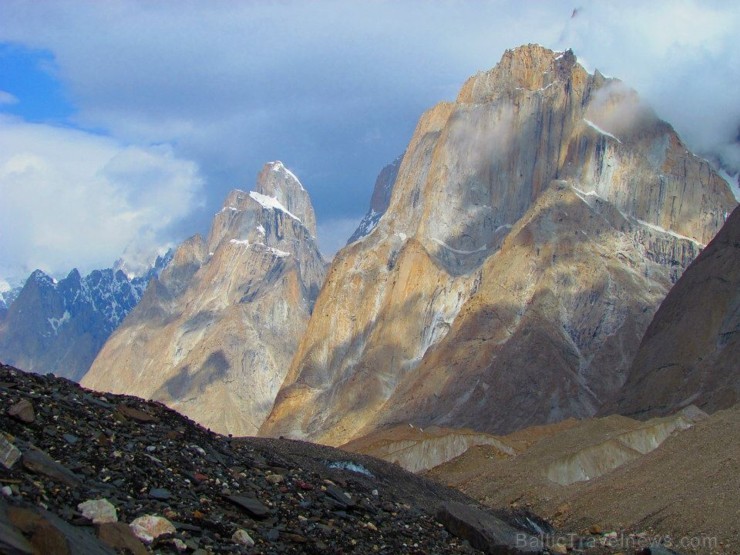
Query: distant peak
[[278, 167], [278, 182], [74, 274], [42, 278]]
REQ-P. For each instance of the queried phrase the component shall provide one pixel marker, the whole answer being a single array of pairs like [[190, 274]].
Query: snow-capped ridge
[[278, 166], [68, 321], [271, 203]]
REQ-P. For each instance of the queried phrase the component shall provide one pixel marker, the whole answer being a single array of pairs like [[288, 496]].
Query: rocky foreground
[[83, 472]]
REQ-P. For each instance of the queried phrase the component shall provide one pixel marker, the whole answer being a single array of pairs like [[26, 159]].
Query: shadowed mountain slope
[[534, 227]]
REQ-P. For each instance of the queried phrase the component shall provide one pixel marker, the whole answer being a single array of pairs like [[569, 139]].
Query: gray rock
[[484, 531], [340, 497], [71, 439], [160, 493], [39, 462], [23, 411], [252, 506]]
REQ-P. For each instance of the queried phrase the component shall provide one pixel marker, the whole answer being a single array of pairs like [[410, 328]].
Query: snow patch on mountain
[[599, 130], [458, 251], [279, 167], [56, 323], [8, 294], [271, 203]]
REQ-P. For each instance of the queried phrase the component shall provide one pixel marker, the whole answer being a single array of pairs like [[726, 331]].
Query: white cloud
[[681, 56], [73, 199], [335, 88], [7, 98]]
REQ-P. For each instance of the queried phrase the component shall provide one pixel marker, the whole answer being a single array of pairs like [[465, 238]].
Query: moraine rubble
[[83, 472]]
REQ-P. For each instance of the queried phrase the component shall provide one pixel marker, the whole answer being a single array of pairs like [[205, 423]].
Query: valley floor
[[685, 491]]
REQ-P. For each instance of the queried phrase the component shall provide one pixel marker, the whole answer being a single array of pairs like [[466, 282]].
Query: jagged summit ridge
[[213, 337], [532, 68], [541, 217], [59, 326]]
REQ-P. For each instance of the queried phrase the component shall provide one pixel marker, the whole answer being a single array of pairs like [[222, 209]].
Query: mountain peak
[[256, 216], [278, 182], [529, 68], [533, 227], [278, 167], [42, 278]]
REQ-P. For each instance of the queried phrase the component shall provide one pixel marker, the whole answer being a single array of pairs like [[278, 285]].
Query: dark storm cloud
[[334, 89]]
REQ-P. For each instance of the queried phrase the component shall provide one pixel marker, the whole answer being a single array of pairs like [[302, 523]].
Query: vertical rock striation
[[213, 337], [535, 224], [691, 349]]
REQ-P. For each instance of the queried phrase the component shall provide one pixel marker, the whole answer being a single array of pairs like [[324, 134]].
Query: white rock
[[149, 527], [241, 536], [98, 510]]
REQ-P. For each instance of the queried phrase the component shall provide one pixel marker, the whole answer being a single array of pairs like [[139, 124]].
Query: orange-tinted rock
[[535, 225], [213, 337], [691, 351]]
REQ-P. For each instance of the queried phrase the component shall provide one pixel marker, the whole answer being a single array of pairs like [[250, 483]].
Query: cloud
[[481, 141], [7, 98], [73, 199], [335, 88], [679, 56], [619, 110], [330, 87]]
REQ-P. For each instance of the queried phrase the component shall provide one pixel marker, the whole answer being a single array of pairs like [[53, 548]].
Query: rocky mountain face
[[380, 200], [691, 349], [213, 337], [534, 227], [59, 326], [7, 295]]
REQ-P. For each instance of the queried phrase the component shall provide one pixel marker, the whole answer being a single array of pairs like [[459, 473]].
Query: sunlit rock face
[[691, 349], [214, 336], [534, 227]]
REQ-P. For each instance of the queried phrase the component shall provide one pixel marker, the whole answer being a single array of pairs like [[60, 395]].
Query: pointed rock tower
[[214, 336], [535, 225], [380, 200]]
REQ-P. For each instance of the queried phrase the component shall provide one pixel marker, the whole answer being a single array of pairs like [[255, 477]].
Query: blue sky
[[31, 75], [124, 124]]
